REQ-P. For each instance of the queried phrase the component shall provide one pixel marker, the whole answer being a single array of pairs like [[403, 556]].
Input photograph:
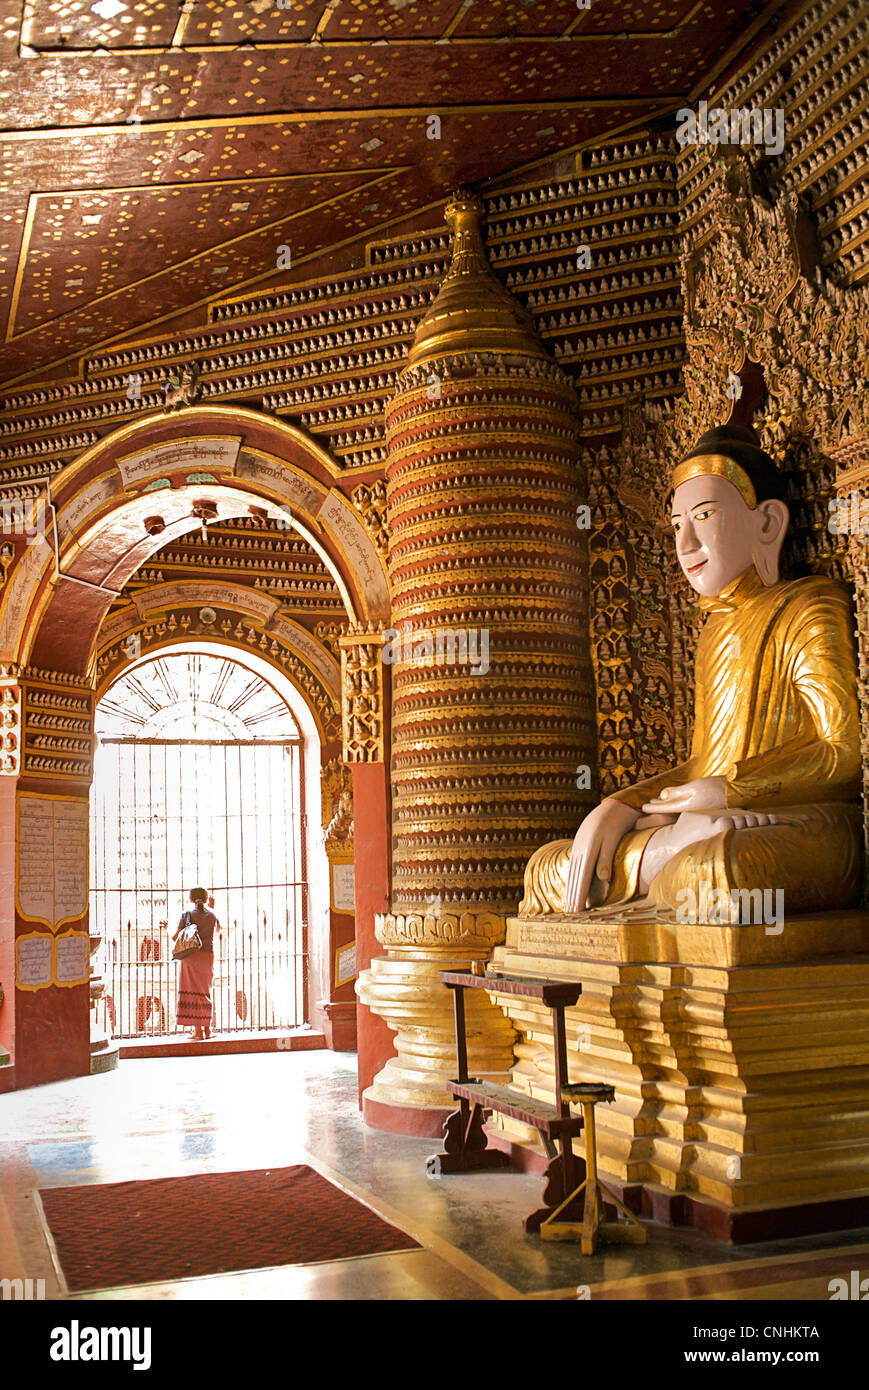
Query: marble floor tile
[[161, 1117]]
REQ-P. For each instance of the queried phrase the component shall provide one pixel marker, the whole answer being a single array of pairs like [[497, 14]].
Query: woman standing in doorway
[[194, 985]]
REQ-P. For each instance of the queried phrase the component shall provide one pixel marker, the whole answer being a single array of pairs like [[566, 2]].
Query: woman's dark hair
[[199, 895]]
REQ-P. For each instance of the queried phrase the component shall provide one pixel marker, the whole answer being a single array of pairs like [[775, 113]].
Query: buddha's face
[[717, 534]]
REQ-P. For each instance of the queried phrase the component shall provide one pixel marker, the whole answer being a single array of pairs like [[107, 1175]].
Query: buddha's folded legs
[[812, 854], [546, 879]]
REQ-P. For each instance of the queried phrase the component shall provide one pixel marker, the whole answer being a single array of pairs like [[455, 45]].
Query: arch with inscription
[[147, 484], [106, 514]]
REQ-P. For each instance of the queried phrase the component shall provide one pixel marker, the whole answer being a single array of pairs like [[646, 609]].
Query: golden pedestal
[[403, 987], [739, 1056]]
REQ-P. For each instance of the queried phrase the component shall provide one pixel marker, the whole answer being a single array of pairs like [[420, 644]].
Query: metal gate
[[170, 814]]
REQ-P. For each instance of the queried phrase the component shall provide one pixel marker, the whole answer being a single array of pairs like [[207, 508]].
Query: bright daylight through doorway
[[198, 781]]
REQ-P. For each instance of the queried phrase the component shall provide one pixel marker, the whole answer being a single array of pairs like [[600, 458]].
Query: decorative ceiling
[[156, 155]]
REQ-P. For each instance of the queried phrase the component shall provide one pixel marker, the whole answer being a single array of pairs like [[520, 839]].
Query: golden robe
[[776, 714]]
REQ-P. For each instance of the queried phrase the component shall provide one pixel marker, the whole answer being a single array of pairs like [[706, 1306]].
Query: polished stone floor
[[161, 1117]]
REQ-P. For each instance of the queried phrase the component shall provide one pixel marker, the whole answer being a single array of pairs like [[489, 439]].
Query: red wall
[[47, 1031], [371, 847], [7, 911]]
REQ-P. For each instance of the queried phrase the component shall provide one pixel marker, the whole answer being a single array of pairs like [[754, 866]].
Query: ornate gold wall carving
[[335, 780], [338, 834], [369, 499], [46, 723], [10, 721], [752, 294], [362, 694]]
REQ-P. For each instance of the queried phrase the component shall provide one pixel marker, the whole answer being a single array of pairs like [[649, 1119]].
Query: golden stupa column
[[492, 718]]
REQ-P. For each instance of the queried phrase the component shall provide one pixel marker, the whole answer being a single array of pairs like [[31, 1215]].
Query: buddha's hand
[[703, 794], [593, 848]]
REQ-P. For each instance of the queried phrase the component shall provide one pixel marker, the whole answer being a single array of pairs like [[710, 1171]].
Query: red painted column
[[333, 997], [51, 1023], [371, 830], [44, 940], [7, 923]]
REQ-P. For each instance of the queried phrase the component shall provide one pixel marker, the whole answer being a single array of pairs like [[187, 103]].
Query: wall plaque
[[33, 960], [72, 958], [345, 964], [52, 880], [344, 887]]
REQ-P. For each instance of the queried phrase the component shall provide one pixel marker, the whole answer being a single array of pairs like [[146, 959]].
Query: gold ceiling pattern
[[109, 222], [112, 24], [309, 126], [256, 553], [106, 24]]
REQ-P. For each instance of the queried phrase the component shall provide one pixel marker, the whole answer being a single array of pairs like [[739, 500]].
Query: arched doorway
[[107, 514], [199, 779]]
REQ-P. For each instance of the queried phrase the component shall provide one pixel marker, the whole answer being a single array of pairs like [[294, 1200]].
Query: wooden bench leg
[[466, 1144]]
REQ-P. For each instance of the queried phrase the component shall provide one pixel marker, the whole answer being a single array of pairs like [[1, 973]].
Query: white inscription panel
[[298, 491], [33, 961], [87, 503], [358, 546], [220, 595], [310, 650], [52, 859], [115, 626], [345, 968], [19, 591], [344, 887], [207, 453], [72, 959]]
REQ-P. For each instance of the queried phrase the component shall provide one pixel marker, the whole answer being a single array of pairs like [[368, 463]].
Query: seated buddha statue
[[768, 798]]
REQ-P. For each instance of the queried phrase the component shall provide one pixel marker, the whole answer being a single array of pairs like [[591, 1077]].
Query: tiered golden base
[[739, 1055], [405, 990]]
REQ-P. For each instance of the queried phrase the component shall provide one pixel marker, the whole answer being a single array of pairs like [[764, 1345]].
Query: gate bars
[[167, 815]]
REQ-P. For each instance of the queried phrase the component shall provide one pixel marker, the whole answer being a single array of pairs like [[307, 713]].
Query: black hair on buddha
[[743, 446]]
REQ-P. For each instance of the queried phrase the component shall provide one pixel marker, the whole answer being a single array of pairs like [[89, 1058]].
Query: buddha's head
[[728, 511]]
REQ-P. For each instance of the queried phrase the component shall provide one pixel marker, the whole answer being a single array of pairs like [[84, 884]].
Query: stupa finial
[[473, 311]]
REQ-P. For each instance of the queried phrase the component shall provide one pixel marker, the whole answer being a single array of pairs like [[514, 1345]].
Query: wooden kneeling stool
[[592, 1228], [466, 1145]]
